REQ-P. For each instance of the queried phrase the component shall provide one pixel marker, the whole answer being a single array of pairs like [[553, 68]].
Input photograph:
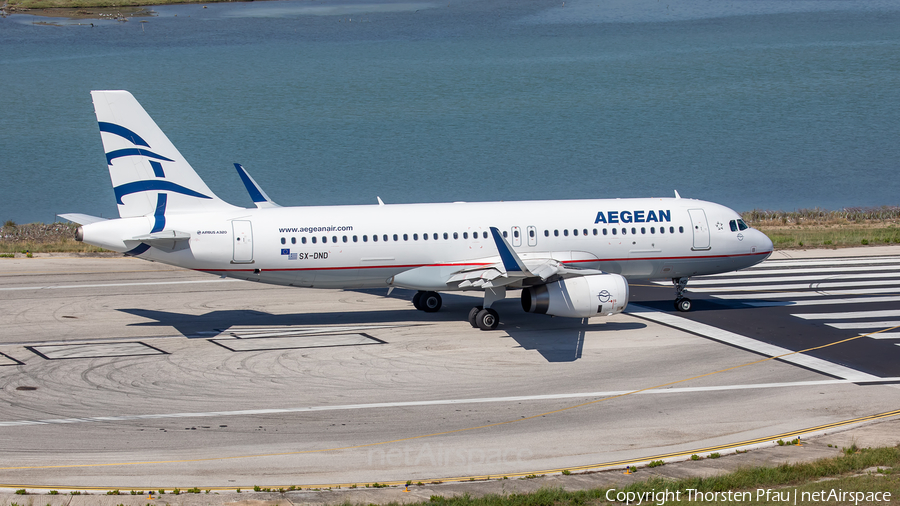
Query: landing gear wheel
[[487, 319], [430, 302], [472, 314], [683, 304], [417, 300]]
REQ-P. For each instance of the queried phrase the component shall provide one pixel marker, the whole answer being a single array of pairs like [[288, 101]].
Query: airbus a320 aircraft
[[569, 257]]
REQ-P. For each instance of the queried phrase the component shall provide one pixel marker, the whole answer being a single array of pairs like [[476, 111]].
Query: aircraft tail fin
[[149, 175]]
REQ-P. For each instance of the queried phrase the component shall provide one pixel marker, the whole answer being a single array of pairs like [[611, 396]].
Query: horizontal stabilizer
[[257, 194], [81, 219]]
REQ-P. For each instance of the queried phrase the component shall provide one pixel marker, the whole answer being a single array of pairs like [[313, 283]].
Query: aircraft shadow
[[555, 339]]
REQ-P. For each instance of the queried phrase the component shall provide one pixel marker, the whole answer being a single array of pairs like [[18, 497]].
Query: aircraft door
[[243, 242], [700, 228], [516, 237], [532, 236]]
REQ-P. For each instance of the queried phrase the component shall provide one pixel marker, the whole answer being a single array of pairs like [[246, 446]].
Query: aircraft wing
[[259, 197]]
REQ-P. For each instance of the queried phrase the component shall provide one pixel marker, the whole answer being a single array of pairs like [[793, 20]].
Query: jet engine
[[578, 297]]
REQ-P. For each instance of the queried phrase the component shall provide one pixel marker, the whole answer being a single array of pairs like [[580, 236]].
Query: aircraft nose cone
[[765, 243]]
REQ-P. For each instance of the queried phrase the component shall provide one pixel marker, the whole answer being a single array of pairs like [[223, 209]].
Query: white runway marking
[[747, 343], [798, 286], [885, 335], [828, 262], [443, 402], [850, 315], [856, 300], [782, 279], [751, 294], [864, 325], [104, 285], [803, 270]]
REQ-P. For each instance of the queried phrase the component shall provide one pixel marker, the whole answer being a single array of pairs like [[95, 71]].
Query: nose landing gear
[[682, 303]]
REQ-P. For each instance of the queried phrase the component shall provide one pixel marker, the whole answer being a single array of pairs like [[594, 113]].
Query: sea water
[[753, 104]]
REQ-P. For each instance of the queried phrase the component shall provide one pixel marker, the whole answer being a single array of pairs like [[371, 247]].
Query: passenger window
[[405, 237], [385, 237], [374, 238], [354, 239], [446, 236], [662, 230], [415, 237], [604, 231], [652, 230], [396, 237], [465, 235], [546, 233], [575, 232], [672, 230], [324, 239], [733, 225], [504, 234], [293, 240], [314, 239], [633, 231], [585, 231], [566, 232], [680, 230], [303, 240], [345, 238], [624, 231], [283, 241], [456, 235], [434, 236], [334, 239], [425, 237], [365, 238], [556, 233], [484, 235], [614, 231], [643, 230]]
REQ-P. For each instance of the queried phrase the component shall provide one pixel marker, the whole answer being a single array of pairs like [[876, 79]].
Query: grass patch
[[42, 238], [804, 477]]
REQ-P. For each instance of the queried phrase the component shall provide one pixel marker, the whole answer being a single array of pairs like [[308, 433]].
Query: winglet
[[380, 202], [257, 194], [677, 196], [511, 261]]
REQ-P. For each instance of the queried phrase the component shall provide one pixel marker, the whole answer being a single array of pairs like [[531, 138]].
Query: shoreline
[[119, 10]]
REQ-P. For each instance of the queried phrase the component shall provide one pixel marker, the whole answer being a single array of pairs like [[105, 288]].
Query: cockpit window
[[733, 225], [742, 225]]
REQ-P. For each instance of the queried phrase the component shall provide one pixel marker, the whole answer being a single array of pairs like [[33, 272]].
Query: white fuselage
[[365, 246]]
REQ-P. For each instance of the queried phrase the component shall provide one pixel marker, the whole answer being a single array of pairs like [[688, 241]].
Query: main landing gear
[[430, 302], [682, 303], [480, 317]]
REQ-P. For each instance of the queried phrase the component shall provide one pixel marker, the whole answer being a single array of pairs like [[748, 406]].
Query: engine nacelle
[[581, 297]]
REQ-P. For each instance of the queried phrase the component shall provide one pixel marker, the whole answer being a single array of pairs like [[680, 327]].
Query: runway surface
[[121, 373]]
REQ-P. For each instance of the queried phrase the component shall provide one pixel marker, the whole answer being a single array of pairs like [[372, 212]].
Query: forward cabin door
[[700, 228], [243, 242]]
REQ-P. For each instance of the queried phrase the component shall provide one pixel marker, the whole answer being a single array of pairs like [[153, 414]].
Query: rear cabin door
[[700, 228], [243, 242]]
